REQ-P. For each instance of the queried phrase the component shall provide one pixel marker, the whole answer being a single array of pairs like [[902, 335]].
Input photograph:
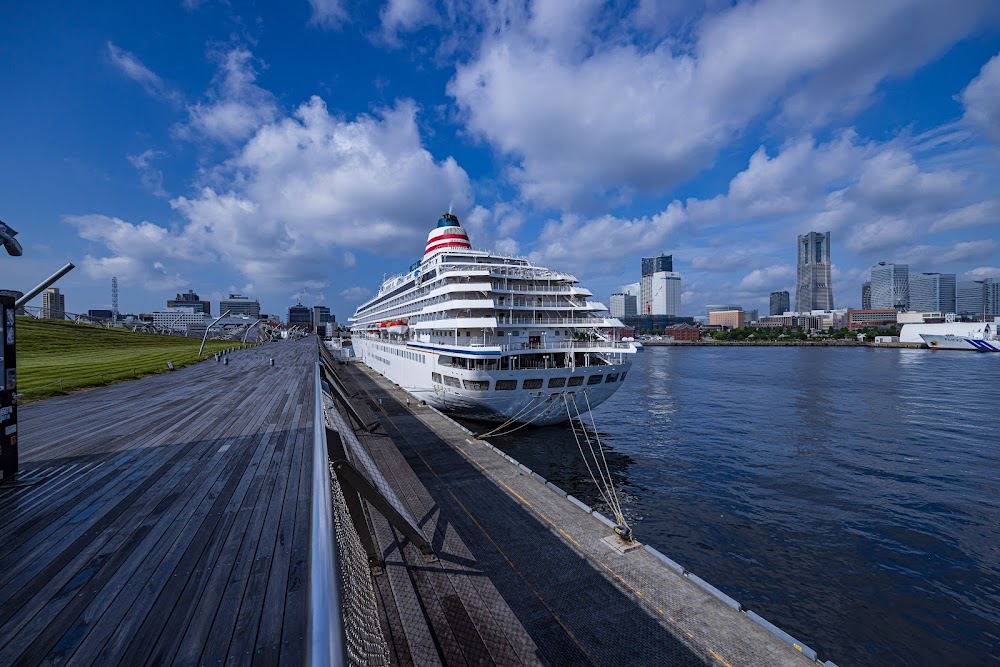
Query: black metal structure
[[8, 387]]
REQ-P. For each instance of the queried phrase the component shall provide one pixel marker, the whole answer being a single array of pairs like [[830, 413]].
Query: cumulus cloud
[[768, 279], [137, 251], [235, 106], [404, 16], [585, 120], [130, 65], [982, 100]]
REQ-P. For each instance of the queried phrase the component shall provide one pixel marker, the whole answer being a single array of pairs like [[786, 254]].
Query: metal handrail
[[326, 639]]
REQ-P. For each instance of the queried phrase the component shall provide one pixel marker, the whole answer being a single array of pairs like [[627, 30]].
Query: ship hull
[[473, 394], [950, 342]]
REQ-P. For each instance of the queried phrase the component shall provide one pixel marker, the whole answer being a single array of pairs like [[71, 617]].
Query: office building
[[661, 292], [866, 295], [716, 307], [190, 300], [729, 319], [970, 297], [780, 303], [623, 305], [992, 297], [874, 317], [240, 306], [890, 286], [634, 289], [932, 292], [300, 316], [814, 286], [179, 318], [53, 304], [99, 314], [789, 321], [651, 265], [321, 315]]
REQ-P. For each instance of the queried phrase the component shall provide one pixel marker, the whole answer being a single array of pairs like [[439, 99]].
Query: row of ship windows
[[406, 354], [531, 383]]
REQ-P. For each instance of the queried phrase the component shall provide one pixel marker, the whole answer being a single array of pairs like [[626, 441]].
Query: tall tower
[[814, 287], [114, 299]]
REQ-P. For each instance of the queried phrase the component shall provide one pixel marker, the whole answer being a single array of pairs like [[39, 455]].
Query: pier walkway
[[170, 518], [524, 576]]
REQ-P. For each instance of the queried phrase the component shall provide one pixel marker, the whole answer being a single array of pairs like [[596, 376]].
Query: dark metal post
[[8, 387]]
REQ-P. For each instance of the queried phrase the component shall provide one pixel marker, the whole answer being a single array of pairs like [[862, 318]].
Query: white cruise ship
[[491, 337]]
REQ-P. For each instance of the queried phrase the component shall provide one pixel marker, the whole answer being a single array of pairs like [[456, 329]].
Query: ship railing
[[588, 321]]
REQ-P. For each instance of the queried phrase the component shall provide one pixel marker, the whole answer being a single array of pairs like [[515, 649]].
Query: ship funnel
[[446, 236]]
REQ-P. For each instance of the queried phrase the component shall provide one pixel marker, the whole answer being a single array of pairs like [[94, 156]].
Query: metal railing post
[[327, 642]]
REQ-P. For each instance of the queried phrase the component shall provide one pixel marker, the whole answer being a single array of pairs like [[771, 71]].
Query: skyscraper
[[891, 286], [623, 305], [866, 295], [970, 297], [661, 294], [814, 287], [780, 303], [53, 304], [932, 292], [651, 265]]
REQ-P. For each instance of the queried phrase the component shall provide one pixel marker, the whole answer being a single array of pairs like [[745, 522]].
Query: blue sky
[[304, 149]]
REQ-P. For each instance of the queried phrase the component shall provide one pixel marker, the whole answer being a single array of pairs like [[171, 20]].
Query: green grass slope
[[54, 357]]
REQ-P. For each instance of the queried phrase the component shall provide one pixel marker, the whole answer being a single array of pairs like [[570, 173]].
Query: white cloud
[[982, 272], [980, 213], [982, 100], [402, 16], [768, 279], [588, 121], [150, 176], [355, 294], [133, 68], [328, 14], [235, 106]]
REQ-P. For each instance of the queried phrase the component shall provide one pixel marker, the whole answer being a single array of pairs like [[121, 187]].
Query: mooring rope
[[600, 447], [509, 421], [584, 456], [527, 423], [608, 481]]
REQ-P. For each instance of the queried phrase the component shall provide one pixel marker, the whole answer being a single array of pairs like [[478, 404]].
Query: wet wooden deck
[[169, 520]]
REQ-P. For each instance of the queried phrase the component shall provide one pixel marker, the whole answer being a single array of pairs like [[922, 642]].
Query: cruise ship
[[490, 337]]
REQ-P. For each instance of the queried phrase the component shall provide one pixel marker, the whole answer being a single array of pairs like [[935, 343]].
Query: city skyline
[[304, 151]]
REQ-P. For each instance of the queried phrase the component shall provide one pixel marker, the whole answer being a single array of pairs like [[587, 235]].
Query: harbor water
[[850, 496]]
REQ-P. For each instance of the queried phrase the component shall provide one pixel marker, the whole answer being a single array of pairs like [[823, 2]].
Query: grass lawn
[[55, 357]]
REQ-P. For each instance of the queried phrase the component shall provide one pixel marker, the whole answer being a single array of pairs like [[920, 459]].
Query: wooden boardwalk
[[170, 519]]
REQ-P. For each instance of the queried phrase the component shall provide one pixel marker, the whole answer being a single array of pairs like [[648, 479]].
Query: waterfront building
[[814, 286], [661, 293], [866, 295], [751, 316], [682, 331], [623, 305], [890, 286], [300, 316], [932, 292], [240, 306], [970, 297], [731, 319], [874, 317], [780, 303], [789, 320], [53, 304], [190, 299], [653, 323], [634, 289], [914, 317], [716, 307]]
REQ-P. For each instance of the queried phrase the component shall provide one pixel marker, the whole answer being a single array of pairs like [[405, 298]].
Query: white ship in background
[[971, 336], [491, 337]]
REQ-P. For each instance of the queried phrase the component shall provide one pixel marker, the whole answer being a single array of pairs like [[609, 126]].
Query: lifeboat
[[397, 327]]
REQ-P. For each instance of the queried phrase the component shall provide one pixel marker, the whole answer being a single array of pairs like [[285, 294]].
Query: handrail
[[326, 639]]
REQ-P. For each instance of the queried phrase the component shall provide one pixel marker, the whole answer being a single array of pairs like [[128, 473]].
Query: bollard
[[272, 361], [226, 362]]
